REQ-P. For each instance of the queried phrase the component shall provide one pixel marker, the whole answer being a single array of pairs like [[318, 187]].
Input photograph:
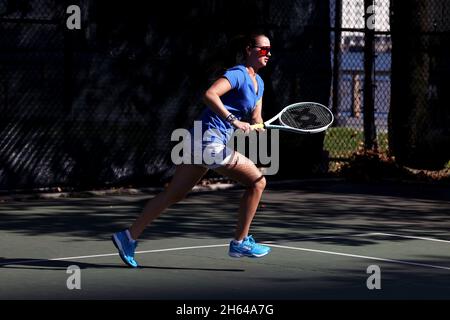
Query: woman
[[232, 98]]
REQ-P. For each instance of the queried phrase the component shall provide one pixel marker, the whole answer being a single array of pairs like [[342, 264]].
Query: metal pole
[[369, 110], [336, 55]]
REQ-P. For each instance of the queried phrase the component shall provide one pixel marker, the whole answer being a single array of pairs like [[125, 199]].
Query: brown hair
[[237, 47]]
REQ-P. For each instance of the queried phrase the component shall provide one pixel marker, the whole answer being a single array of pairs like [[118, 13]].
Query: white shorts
[[209, 154]]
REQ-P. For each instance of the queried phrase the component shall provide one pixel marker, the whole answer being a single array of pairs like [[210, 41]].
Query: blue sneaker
[[125, 247], [248, 248]]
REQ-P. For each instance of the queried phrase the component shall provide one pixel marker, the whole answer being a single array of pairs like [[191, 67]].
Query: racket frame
[[267, 124]]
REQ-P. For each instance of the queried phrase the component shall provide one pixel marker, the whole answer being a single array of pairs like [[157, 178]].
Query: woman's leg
[[185, 178], [244, 171]]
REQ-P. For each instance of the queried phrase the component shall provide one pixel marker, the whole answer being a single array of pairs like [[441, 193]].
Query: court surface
[[324, 236]]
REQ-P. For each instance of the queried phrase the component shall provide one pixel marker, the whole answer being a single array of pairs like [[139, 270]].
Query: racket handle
[[257, 126]]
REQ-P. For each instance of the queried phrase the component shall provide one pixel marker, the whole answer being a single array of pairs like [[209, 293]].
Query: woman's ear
[[248, 50]]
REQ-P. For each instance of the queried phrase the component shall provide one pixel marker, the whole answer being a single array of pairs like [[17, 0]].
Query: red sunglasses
[[263, 51]]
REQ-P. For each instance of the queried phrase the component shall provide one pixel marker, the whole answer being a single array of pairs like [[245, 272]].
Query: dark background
[[96, 107]]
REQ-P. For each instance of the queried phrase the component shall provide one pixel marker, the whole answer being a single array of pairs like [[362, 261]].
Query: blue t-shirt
[[240, 100]]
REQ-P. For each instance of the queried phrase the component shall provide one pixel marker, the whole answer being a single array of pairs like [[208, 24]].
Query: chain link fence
[[96, 107], [421, 62], [351, 20], [419, 134]]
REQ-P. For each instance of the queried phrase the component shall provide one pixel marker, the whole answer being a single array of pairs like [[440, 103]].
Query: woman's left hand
[[257, 122], [244, 126]]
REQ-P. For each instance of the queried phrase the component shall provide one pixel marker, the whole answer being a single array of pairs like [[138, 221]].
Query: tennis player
[[231, 99]]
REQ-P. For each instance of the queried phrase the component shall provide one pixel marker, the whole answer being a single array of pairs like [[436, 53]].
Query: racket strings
[[307, 117]]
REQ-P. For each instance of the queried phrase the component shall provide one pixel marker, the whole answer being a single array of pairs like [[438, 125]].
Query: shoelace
[[252, 242]]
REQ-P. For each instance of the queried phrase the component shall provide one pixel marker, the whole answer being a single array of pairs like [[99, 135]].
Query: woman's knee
[[259, 184]]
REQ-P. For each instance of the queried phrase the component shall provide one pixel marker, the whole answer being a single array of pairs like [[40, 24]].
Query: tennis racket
[[302, 117]]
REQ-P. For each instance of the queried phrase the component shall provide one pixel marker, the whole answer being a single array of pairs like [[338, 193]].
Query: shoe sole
[[240, 255], [119, 247]]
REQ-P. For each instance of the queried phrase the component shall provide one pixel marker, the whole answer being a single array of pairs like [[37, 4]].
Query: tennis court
[[93, 95], [324, 235]]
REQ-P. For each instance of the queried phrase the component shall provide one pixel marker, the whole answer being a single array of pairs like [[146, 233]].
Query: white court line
[[409, 237], [151, 251], [332, 237], [270, 244], [376, 234], [363, 257], [109, 254], [343, 236], [147, 251]]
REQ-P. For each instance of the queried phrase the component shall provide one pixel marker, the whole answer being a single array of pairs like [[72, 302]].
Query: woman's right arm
[[212, 100]]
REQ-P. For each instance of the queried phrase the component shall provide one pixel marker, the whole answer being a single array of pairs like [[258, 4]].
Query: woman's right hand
[[244, 126]]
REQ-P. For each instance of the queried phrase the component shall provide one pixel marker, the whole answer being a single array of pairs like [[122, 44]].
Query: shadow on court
[[38, 264], [291, 208], [328, 234]]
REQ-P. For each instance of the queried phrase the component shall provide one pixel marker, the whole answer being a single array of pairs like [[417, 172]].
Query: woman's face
[[259, 54]]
